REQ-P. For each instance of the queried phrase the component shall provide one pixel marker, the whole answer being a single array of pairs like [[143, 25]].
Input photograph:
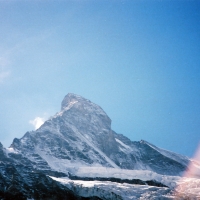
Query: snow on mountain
[[81, 135], [181, 159], [119, 191], [183, 188], [19, 180], [78, 142]]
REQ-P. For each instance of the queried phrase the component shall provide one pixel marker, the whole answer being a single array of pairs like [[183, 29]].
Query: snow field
[[109, 190]]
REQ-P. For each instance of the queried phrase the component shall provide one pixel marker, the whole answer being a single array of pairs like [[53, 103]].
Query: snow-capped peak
[[81, 135], [79, 141], [70, 99]]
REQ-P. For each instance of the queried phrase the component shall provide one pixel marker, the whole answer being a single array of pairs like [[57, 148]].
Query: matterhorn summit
[[81, 135], [78, 143]]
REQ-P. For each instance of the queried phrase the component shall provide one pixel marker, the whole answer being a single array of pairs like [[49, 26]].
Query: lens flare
[[188, 187]]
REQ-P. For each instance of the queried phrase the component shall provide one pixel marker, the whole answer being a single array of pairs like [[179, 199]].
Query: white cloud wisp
[[37, 122]]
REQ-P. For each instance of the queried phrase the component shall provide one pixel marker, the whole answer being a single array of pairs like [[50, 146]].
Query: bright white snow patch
[[37, 122], [144, 175], [122, 144], [187, 187], [111, 190], [10, 150]]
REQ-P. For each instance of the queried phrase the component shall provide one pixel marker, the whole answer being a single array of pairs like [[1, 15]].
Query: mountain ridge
[[81, 134], [78, 143]]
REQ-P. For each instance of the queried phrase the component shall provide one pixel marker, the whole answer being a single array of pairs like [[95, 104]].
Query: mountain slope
[[76, 155], [81, 135], [18, 180]]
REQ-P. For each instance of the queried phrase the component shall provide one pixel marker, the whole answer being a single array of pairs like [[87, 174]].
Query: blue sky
[[138, 60]]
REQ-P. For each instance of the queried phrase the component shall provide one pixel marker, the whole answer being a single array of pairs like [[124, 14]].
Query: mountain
[[81, 135], [18, 180], [78, 143]]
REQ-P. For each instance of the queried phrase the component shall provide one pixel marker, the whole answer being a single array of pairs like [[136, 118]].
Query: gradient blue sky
[[138, 60]]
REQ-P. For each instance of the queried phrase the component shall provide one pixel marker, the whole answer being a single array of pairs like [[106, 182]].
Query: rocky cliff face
[[81, 135], [78, 143], [19, 180]]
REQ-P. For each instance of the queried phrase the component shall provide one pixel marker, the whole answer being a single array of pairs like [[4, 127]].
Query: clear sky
[[138, 60]]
